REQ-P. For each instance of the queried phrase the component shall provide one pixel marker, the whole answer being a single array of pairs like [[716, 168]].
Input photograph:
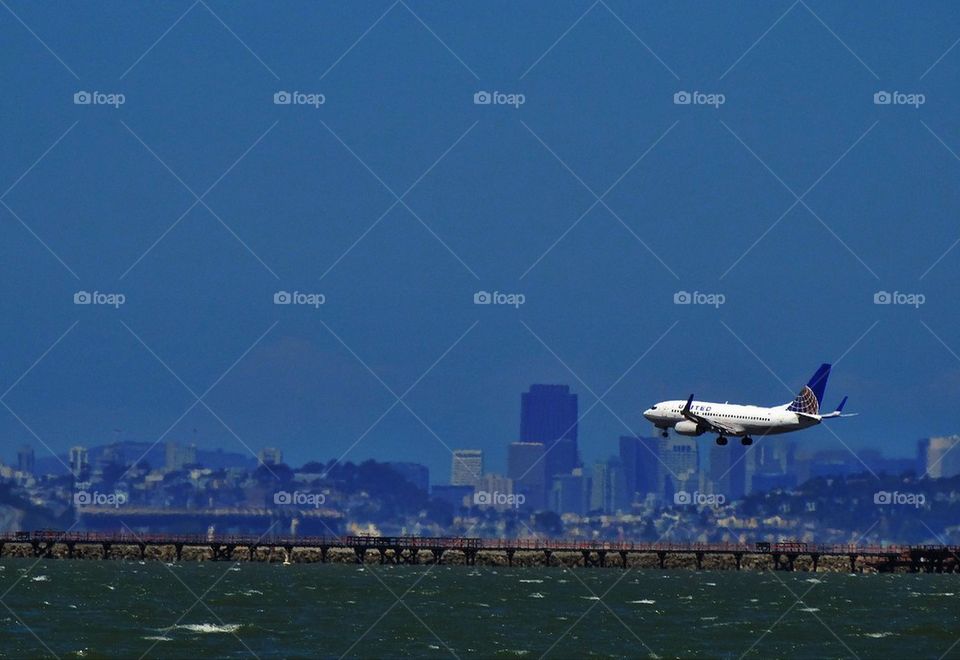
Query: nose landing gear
[[664, 433]]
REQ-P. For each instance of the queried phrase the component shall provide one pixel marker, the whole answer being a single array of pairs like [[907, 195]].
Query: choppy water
[[130, 609]]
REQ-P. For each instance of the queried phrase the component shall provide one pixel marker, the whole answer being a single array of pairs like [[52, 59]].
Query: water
[[130, 609]]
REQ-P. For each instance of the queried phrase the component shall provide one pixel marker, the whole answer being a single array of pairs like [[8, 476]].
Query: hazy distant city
[[654, 488]]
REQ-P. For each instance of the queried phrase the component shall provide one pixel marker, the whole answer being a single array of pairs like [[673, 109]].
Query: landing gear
[[721, 440], [746, 440], [664, 433]]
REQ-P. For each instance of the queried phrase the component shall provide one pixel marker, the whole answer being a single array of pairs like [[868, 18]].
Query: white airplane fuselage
[[740, 419]]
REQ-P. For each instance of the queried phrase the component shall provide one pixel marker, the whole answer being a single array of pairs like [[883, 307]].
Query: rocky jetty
[[267, 553]]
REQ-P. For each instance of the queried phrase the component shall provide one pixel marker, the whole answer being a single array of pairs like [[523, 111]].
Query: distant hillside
[[129, 452]]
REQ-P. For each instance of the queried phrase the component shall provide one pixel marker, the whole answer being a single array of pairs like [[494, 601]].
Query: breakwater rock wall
[[290, 552]]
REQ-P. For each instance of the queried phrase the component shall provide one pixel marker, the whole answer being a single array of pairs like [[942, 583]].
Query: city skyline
[[705, 445], [649, 456], [328, 328], [500, 268]]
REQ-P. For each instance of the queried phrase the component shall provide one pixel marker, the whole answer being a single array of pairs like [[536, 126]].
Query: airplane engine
[[686, 427]]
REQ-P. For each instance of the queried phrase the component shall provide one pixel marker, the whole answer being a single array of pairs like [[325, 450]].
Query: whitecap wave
[[208, 627]]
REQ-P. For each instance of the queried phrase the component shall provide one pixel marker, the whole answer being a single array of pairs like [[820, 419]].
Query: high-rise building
[[640, 458], [923, 445], [834, 463], [728, 470], [110, 455], [527, 467], [270, 456], [770, 464], [415, 473], [608, 492], [548, 414], [943, 457], [679, 469], [467, 467], [495, 490], [570, 493], [26, 459], [178, 456], [78, 460]]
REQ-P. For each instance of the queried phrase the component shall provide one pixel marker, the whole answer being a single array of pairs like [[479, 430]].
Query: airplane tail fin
[[811, 396]]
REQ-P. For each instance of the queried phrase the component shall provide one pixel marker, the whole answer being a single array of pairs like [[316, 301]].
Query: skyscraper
[[25, 459], [467, 467], [607, 488], [548, 414], [270, 456], [640, 458], [641, 465], [728, 470], [679, 469], [923, 445], [497, 490], [570, 493], [527, 467], [943, 457], [78, 460], [178, 456]]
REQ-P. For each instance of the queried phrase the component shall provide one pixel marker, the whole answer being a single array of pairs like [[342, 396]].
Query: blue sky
[[492, 197]]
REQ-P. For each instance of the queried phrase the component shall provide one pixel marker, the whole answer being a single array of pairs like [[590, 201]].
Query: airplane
[[695, 418]]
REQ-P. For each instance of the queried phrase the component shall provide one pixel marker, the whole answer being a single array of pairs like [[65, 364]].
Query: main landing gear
[[746, 440], [721, 440]]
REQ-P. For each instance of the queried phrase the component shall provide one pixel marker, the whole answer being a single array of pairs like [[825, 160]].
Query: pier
[[763, 556]]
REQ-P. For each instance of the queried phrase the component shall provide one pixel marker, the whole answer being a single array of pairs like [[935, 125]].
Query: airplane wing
[[711, 425]]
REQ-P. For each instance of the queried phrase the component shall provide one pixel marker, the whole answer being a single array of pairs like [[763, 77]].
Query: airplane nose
[[647, 413]]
